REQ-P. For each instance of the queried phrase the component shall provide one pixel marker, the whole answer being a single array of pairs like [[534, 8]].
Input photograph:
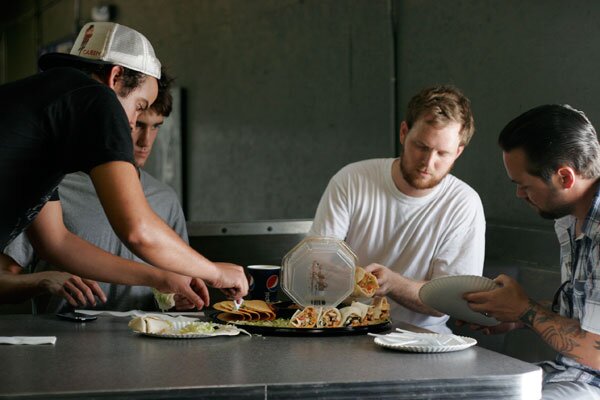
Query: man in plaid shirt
[[552, 154]]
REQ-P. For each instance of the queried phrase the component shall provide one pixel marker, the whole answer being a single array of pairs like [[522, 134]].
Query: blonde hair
[[439, 105]]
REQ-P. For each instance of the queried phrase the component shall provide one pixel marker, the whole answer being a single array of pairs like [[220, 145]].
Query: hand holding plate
[[446, 294], [505, 303]]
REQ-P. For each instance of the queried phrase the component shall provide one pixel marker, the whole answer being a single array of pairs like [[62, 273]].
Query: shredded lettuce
[[276, 323], [165, 301], [198, 327]]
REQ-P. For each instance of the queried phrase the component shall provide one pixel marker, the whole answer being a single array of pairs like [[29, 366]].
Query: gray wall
[[281, 93], [508, 56]]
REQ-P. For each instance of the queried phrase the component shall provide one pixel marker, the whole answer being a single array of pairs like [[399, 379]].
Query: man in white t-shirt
[[408, 219]]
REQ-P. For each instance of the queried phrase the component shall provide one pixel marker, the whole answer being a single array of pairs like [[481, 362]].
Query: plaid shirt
[[580, 294]]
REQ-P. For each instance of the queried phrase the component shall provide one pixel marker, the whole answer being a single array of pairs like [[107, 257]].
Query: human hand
[[386, 278], [505, 303], [232, 280], [182, 286], [77, 291], [198, 285]]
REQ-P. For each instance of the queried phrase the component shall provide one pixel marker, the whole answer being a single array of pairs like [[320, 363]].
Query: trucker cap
[[107, 43]]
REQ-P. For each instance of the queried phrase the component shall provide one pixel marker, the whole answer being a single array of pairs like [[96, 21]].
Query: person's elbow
[[138, 236]]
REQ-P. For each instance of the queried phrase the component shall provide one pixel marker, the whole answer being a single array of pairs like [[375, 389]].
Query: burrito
[[306, 318], [365, 283], [379, 311], [354, 315], [330, 317], [150, 325]]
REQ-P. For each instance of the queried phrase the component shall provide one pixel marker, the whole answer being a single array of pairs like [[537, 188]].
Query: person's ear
[[566, 177], [116, 72], [403, 132], [459, 151]]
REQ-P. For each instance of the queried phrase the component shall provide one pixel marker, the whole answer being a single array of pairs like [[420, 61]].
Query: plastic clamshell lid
[[318, 271]]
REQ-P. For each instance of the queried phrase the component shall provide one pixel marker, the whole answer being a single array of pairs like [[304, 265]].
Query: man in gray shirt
[[83, 215]]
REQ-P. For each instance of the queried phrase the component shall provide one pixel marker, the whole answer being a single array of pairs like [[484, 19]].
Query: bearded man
[[408, 219]]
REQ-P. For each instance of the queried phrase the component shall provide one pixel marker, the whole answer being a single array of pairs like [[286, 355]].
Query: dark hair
[[441, 104], [163, 105], [553, 136], [130, 79]]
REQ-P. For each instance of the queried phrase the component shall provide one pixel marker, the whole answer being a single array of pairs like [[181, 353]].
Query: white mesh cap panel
[[117, 44]]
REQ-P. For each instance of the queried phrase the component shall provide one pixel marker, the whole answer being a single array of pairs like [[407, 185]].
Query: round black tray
[[277, 331]]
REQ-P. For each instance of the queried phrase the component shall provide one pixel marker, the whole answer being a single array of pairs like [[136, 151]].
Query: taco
[[250, 310]]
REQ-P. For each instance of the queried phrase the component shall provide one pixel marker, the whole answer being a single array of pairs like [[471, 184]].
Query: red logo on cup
[[272, 282]]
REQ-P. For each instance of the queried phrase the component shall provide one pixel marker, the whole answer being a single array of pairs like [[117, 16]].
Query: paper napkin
[[27, 339]]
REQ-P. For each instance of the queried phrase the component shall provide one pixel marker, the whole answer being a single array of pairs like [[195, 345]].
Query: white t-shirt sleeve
[[463, 251]]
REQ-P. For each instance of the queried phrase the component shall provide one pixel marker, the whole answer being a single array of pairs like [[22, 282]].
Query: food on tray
[[330, 318], [365, 283], [306, 318], [276, 323], [354, 314], [379, 310], [250, 310], [150, 325]]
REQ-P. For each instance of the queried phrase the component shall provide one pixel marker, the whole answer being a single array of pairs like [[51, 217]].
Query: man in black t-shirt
[[77, 115]]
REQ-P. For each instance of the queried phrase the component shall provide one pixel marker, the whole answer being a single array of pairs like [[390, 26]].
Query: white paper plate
[[445, 295], [173, 333], [460, 343]]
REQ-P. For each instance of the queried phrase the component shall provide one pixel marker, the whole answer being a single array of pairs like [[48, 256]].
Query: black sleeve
[[54, 196], [93, 128]]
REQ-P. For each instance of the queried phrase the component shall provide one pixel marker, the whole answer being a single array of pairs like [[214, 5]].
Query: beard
[[415, 180], [555, 212]]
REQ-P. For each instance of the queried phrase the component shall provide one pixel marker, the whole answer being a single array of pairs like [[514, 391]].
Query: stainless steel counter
[[104, 359]]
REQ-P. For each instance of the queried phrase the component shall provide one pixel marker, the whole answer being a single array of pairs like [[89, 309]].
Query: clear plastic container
[[318, 271]]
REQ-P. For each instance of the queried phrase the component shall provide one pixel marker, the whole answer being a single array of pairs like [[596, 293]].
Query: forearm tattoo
[[528, 317], [561, 333]]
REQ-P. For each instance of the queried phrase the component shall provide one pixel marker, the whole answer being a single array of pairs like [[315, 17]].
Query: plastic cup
[[264, 282]]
